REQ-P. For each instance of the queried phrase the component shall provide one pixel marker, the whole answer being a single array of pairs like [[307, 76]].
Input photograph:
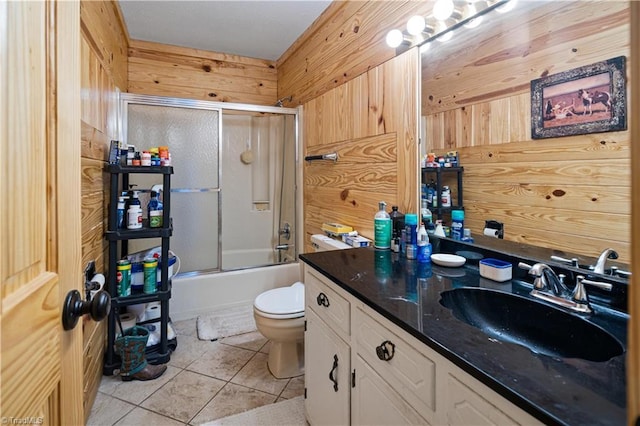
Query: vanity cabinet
[[391, 377]]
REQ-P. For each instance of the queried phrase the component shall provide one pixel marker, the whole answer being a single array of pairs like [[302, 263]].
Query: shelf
[[441, 169], [117, 168], [144, 232], [138, 298]]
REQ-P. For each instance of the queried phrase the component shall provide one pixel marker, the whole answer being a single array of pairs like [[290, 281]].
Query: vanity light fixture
[[446, 16]]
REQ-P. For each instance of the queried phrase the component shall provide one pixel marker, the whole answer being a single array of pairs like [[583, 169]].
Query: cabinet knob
[[386, 350], [323, 300]]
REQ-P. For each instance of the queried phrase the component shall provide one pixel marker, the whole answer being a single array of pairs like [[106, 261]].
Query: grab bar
[[331, 156]]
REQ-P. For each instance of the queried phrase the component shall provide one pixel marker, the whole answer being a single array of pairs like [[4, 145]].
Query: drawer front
[[331, 307], [407, 369]]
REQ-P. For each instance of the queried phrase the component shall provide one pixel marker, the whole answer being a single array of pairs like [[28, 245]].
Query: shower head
[[280, 101]]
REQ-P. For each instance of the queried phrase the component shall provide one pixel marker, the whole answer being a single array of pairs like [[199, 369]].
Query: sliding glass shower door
[[233, 188]]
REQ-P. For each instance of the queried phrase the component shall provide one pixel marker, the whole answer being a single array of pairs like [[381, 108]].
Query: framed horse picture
[[589, 99]]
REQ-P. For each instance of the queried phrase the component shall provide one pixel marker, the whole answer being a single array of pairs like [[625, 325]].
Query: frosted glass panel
[[195, 230], [191, 135]]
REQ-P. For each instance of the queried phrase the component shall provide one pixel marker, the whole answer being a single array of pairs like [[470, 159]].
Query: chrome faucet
[[602, 260], [546, 278], [557, 292]]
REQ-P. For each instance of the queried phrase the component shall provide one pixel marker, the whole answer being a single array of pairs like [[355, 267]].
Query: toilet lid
[[282, 301]]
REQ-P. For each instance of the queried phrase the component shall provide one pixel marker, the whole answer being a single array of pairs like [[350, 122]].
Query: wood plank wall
[[164, 70], [371, 122], [570, 193], [103, 53]]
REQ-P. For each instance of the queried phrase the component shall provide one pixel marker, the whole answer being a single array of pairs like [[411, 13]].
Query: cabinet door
[[327, 374], [374, 402], [468, 402]]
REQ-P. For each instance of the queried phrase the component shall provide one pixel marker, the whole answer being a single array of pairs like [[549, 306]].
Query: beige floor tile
[[230, 400], [135, 391], [253, 341], [184, 396], [140, 416], [107, 410], [189, 349], [294, 388], [266, 347], [185, 327], [221, 361], [256, 375]]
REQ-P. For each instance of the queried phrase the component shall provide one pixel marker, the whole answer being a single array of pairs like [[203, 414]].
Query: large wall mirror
[[571, 194]]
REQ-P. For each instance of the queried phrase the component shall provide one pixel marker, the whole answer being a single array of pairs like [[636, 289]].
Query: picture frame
[[588, 99]]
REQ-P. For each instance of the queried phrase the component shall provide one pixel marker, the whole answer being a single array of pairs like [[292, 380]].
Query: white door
[[40, 237]]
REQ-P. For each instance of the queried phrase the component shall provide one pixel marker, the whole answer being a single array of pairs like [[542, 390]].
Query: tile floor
[[204, 381]]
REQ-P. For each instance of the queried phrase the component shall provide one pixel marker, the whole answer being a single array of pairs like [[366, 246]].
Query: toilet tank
[[321, 242]]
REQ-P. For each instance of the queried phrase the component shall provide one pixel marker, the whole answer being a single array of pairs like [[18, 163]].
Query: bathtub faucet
[[282, 247]]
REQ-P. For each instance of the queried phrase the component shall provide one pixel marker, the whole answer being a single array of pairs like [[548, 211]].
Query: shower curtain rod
[[331, 156]]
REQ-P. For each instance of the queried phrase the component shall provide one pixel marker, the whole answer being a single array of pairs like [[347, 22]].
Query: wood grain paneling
[[346, 41], [164, 70], [371, 122], [103, 54], [571, 193]]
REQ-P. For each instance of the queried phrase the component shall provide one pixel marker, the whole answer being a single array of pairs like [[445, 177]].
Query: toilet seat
[[281, 303]]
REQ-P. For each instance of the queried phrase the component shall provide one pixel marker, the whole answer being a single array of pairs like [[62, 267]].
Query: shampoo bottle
[[382, 228], [424, 246]]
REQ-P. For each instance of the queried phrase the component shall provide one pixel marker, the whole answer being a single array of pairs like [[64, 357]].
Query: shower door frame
[[127, 98]]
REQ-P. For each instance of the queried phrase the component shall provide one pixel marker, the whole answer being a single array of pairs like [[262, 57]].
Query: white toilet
[[279, 316]]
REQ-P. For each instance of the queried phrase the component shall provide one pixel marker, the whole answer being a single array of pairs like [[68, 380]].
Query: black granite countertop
[[554, 390]]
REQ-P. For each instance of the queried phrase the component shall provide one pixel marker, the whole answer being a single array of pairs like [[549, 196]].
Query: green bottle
[[382, 228]]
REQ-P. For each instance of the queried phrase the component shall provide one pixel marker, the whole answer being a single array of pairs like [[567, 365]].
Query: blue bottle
[[457, 224], [411, 243], [424, 246], [154, 211]]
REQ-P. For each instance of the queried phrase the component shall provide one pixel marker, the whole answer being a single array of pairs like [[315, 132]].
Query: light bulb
[[416, 24], [471, 12], [394, 38], [442, 9]]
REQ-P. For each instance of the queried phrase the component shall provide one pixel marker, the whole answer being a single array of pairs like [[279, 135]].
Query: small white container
[[495, 269]]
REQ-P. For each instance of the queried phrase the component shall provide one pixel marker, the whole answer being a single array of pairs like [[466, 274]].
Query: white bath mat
[[286, 413], [225, 323]]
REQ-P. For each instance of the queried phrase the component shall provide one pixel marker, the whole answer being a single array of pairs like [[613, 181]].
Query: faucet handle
[[580, 293], [573, 261], [524, 266]]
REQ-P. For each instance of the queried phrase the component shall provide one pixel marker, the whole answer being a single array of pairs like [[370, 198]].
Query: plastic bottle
[[446, 197], [134, 212], [411, 243], [457, 224], [425, 214], [154, 211], [466, 236], [397, 221], [424, 246], [432, 194], [120, 216], [382, 228]]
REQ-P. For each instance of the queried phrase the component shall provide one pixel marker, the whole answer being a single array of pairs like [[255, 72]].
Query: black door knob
[[74, 307]]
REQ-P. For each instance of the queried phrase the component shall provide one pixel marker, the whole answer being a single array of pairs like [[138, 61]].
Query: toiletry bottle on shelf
[[425, 214], [446, 197], [457, 224], [134, 213], [424, 246], [411, 247], [121, 212], [154, 211], [382, 228]]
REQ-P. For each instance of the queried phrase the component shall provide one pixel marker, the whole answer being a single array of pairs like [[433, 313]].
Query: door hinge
[[353, 378], [305, 325], [305, 393]]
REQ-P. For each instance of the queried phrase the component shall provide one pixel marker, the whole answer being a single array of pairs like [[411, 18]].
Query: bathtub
[[203, 294], [233, 259]]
